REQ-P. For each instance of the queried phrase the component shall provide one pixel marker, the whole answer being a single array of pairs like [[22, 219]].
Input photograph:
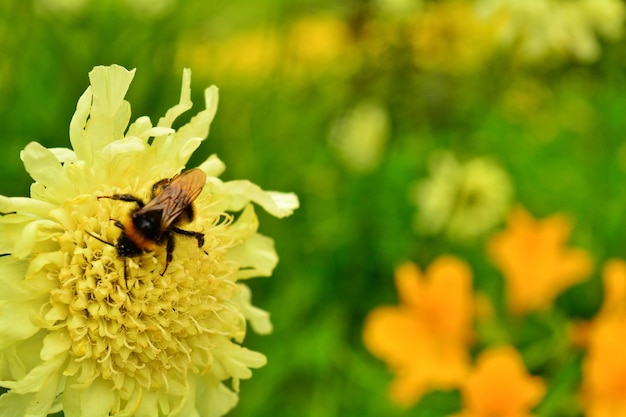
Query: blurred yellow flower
[[449, 36], [538, 29], [360, 137], [604, 367], [250, 56], [461, 200], [316, 44], [535, 262], [424, 339], [500, 386], [89, 332]]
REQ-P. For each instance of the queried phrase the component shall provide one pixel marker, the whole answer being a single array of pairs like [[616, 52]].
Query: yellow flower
[[316, 45], [450, 37], [89, 332], [250, 56], [425, 338], [604, 367], [537, 29], [535, 262], [461, 200], [500, 386]]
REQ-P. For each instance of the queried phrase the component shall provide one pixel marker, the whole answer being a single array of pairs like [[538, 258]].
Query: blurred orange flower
[[536, 264], [500, 386], [425, 338], [604, 367]]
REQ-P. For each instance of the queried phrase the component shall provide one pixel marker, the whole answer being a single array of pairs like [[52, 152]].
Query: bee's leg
[[199, 236], [125, 271], [124, 197], [6, 214], [168, 251], [4, 254]]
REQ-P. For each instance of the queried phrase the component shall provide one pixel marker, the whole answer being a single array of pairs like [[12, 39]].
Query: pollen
[[125, 320]]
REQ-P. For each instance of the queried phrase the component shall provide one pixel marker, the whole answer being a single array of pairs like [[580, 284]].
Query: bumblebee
[[154, 224]]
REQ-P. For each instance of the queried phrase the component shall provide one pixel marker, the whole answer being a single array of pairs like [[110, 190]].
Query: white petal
[[78, 137], [234, 361], [15, 320], [64, 155], [39, 376], [44, 167], [177, 148], [256, 256], [213, 399], [55, 343], [213, 166], [110, 113], [95, 401], [260, 319], [275, 203], [183, 105], [24, 205], [34, 232]]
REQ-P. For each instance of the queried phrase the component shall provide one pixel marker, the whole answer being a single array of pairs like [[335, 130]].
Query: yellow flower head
[[85, 330], [535, 262], [449, 37], [425, 338], [500, 386]]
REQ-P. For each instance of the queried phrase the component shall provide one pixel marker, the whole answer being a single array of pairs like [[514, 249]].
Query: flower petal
[[110, 113], [256, 257], [38, 377], [96, 401], [44, 167], [25, 205], [275, 203], [213, 166], [213, 398], [259, 319]]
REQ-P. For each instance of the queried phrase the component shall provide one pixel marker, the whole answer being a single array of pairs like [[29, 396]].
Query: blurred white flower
[[461, 200], [359, 138], [538, 29]]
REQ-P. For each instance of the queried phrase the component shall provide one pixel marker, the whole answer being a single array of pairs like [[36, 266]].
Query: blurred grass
[[558, 131]]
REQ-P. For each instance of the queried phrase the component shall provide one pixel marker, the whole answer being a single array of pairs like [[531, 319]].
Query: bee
[[155, 223]]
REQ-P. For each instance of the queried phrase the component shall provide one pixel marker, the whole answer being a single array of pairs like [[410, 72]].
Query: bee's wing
[[177, 196]]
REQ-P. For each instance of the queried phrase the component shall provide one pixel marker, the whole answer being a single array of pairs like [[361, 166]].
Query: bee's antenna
[[99, 238]]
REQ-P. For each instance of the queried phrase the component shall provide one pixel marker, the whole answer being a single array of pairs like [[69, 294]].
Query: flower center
[[124, 316]]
